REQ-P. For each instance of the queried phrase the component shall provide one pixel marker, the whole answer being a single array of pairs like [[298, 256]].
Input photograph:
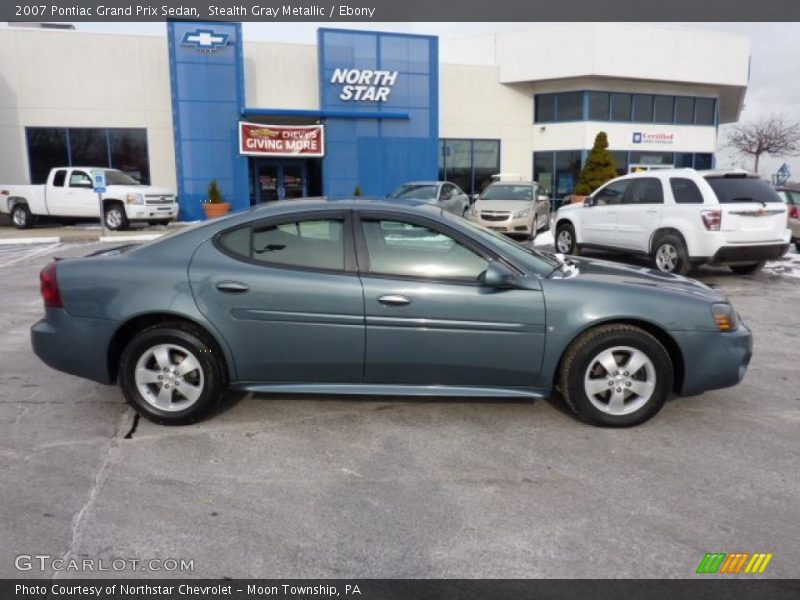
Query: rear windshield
[[732, 190]]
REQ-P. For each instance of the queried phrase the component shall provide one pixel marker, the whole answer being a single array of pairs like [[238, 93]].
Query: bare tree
[[770, 135]]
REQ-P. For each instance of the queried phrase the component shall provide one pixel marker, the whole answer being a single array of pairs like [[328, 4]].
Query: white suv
[[680, 217]]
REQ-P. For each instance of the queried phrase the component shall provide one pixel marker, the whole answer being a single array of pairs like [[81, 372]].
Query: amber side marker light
[[724, 317]]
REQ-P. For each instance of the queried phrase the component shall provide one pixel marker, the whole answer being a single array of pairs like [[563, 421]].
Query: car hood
[[503, 205], [603, 271]]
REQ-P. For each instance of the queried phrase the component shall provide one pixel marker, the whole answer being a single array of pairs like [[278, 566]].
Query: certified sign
[[256, 139], [646, 137]]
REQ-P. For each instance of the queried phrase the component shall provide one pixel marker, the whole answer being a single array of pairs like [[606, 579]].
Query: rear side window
[[313, 244], [685, 191], [59, 178], [645, 190], [731, 190]]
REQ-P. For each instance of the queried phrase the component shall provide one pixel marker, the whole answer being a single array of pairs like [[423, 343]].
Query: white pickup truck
[[69, 195]]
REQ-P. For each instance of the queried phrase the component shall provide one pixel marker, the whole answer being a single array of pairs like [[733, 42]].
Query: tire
[[163, 400], [21, 216], [534, 227], [565, 240], [633, 398], [114, 216], [670, 255], [748, 269]]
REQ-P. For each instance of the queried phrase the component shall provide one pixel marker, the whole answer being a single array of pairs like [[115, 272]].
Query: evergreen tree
[[599, 168]]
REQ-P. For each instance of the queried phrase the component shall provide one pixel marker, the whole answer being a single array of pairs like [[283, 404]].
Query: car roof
[[361, 203], [422, 183], [507, 182]]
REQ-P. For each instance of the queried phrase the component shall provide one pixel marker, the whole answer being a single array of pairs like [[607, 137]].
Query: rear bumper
[[74, 345], [730, 254], [714, 360]]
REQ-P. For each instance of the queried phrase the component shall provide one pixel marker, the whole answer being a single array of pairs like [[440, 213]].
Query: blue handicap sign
[[99, 181]]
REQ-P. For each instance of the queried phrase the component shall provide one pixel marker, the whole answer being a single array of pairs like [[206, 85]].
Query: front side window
[[402, 249], [611, 194], [308, 244], [645, 190], [79, 179]]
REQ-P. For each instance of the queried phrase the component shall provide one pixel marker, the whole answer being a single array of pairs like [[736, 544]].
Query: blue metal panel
[[207, 100], [367, 145]]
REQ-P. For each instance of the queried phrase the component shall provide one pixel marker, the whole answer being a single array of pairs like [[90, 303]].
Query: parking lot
[[344, 487]]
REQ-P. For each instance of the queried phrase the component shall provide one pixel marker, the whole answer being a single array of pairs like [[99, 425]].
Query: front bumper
[[714, 360], [74, 345], [511, 226], [152, 212]]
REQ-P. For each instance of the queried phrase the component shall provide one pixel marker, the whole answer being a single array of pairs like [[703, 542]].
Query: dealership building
[[362, 110]]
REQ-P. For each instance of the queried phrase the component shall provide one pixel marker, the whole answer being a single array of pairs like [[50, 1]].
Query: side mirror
[[588, 201], [543, 198], [474, 197], [497, 275]]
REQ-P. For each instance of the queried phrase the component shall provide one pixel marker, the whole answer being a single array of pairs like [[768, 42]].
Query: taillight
[[712, 219], [49, 287], [793, 212]]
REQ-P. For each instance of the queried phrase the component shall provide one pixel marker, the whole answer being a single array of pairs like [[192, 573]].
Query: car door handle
[[233, 287], [652, 212], [394, 300]]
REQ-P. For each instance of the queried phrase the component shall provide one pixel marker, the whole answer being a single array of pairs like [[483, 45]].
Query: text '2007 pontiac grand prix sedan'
[[366, 297]]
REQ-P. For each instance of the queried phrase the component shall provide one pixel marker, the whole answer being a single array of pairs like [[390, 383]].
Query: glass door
[[279, 180]]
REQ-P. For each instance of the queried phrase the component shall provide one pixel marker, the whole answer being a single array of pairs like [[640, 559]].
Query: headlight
[[725, 317], [134, 198], [525, 212]]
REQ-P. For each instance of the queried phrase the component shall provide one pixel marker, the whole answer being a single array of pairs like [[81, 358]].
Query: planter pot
[[216, 210], [578, 199]]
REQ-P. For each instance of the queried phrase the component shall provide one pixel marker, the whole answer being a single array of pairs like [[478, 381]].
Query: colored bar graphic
[[721, 562]]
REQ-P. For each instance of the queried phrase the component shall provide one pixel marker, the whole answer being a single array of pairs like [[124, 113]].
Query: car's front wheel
[[565, 239], [171, 374], [115, 217], [616, 376], [748, 269]]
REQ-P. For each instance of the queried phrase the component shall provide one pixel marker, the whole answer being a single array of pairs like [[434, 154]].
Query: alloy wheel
[[667, 258], [19, 217], [169, 377], [113, 218], [620, 380], [564, 242]]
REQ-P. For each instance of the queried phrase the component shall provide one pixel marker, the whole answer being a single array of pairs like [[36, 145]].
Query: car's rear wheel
[[565, 239], [115, 217], [616, 376], [171, 374], [670, 255], [21, 216], [748, 269]]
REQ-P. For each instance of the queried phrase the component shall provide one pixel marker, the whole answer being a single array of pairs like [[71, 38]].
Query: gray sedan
[[375, 298]]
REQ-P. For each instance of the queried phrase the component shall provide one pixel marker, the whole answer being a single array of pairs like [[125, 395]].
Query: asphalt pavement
[[278, 486]]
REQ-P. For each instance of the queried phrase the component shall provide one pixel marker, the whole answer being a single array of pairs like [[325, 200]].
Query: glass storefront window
[[703, 161], [620, 107], [47, 148], [643, 108], [123, 149], [569, 106], [545, 108], [469, 164], [543, 169], [652, 158], [684, 110], [599, 106], [664, 109], [568, 169], [684, 160], [621, 160], [705, 109]]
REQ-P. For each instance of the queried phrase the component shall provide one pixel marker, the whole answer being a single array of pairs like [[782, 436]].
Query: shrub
[[599, 168]]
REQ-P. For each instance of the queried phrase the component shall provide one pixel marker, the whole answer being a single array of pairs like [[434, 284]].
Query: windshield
[[539, 262], [119, 178], [414, 191], [508, 192], [730, 190]]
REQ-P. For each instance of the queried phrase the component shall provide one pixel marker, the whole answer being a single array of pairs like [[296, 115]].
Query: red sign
[[256, 139]]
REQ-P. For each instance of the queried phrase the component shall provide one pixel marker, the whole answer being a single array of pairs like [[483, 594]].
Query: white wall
[[281, 76], [473, 105], [48, 79]]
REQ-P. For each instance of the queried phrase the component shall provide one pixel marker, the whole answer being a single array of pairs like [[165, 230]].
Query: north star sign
[[206, 40], [364, 85]]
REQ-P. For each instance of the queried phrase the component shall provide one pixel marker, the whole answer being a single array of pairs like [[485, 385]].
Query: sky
[[774, 82]]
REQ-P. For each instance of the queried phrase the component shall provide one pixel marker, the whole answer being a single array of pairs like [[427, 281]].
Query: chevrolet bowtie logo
[[205, 39]]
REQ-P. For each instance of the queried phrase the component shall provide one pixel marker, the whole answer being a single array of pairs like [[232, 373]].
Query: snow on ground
[[786, 266]]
